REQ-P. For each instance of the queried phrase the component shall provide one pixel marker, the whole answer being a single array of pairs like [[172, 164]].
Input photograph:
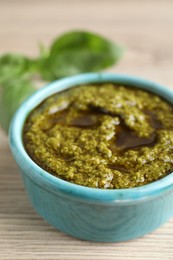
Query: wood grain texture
[[146, 29]]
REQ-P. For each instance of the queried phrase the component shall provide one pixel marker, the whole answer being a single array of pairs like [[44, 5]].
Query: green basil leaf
[[13, 65], [11, 96], [78, 52], [72, 53]]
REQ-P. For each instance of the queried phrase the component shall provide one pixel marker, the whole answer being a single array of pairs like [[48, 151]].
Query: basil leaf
[[72, 53], [78, 52], [13, 65], [11, 96]]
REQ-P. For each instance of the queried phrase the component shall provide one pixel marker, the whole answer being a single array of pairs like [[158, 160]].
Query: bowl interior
[[39, 175]]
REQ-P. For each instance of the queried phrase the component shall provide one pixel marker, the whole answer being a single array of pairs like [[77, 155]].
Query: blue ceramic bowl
[[88, 213]]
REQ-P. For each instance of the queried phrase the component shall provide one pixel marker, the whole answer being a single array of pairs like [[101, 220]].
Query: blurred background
[[144, 28]]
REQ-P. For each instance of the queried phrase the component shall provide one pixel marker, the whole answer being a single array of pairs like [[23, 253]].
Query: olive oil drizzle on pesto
[[102, 136]]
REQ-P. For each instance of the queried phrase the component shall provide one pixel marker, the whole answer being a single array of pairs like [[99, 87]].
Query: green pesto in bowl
[[105, 136]]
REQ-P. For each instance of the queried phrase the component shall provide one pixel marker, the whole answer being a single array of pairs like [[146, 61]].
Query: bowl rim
[[55, 184]]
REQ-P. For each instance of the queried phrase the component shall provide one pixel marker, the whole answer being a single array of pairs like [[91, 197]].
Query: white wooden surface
[[145, 28]]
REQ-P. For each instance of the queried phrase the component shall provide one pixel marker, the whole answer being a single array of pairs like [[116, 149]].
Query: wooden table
[[145, 28]]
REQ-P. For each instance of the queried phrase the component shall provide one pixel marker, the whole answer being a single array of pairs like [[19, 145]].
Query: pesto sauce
[[102, 136]]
